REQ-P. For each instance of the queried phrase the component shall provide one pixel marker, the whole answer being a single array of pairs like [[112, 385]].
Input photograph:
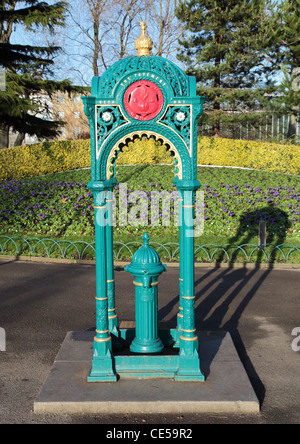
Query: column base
[[154, 346], [189, 369], [102, 371], [103, 368]]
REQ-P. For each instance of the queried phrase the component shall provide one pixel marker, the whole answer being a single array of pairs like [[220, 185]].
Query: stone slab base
[[226, 389]]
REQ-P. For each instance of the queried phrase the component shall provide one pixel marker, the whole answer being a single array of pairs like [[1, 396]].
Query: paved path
[[40, 303]]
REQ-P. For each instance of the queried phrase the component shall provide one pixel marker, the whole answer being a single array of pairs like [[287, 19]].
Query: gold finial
[[144, 44]]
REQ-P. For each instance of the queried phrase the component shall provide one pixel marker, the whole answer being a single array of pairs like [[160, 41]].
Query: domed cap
[[146, 260]]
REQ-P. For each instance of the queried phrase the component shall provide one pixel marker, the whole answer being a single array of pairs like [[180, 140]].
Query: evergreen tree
[[28, 68], [286, 27], [223, 47], [286, 57]]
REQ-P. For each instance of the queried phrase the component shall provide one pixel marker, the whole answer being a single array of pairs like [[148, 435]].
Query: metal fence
[[79, 250], [273, 128]]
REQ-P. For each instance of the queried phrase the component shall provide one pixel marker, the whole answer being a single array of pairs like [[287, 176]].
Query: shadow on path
[[277, 224], [221, 297]]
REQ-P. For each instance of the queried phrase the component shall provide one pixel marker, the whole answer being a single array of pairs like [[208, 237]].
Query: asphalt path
[[41, 302]]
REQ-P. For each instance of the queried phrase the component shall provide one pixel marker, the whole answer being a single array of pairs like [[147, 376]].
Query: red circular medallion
[[143, 100]]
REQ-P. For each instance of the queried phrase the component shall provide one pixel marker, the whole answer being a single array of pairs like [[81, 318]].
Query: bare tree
[[125, 11], [163, 26], [100, 32], [162, 19], [85, 36]]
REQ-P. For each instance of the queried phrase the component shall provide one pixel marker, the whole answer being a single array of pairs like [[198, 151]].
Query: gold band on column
[[139, 284], [102, 340], [154, 284], [189, 339]]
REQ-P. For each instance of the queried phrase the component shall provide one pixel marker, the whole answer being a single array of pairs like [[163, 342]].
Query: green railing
[[79, 250]]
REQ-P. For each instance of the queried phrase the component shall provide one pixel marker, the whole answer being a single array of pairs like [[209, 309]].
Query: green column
[[110, 275], [181, 255], [146, 337], [189, 362], [102, 364]]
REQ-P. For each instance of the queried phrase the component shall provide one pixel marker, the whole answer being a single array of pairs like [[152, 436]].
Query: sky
[[74, 62]]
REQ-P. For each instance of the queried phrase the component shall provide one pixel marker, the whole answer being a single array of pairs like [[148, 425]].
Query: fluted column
[[102, 365], [189, 363], [110, 274]]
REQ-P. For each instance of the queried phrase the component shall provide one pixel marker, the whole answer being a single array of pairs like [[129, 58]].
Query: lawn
[[60, 207]]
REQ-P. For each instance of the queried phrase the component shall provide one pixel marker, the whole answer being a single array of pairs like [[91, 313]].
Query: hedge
[[44, 158], [51, 157], [248, 154]]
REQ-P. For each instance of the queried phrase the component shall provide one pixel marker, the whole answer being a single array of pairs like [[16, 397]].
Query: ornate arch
[[113, 156], [112, 146]]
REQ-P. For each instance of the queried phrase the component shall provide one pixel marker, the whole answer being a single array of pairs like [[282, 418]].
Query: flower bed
[[234, 200]]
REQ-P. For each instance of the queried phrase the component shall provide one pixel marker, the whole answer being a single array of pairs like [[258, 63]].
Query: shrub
[[44, 158], [248, 154], [144, 151], [51, 157]]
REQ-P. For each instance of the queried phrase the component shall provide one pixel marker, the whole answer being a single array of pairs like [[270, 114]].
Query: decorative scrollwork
[[177, 79], [108, 119], [178, 118]]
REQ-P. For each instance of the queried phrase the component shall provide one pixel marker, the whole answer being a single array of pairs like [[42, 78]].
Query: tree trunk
[[217, 107], [20, 139], [217, 84], [4, 136], [96, 48]]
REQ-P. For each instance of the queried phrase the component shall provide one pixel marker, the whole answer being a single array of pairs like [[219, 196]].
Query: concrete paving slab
[[227, 388]]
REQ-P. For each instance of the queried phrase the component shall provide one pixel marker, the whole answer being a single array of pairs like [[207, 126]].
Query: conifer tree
[[286, 57], [224, 47], [287, 33], [28, 68]]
